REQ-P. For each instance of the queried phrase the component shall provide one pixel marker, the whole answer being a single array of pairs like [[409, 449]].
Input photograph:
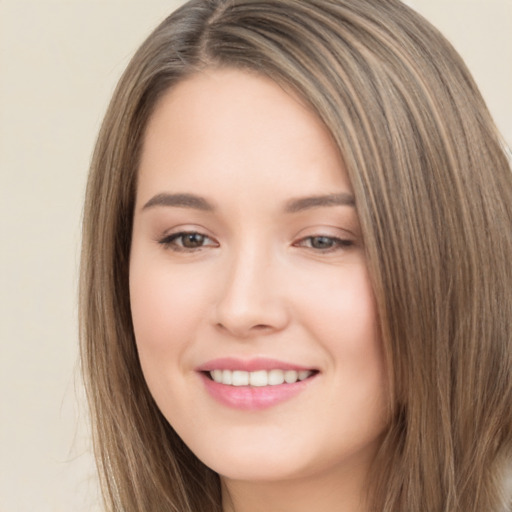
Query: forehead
[[234, 128]]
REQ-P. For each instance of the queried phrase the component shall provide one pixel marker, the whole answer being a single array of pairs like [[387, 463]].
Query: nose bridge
[[250, 300]]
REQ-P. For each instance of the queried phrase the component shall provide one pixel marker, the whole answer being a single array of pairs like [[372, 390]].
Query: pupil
[[193, 240]]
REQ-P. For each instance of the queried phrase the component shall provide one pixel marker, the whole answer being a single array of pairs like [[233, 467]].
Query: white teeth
[[259, 378], [304, 374], [226, 377], [290, 376], [275, 377], [240, 378]]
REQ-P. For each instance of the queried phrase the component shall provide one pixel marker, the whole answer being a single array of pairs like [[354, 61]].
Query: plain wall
[[59, 62]]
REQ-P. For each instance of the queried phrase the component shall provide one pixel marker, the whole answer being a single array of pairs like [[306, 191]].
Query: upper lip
[[249, 365]]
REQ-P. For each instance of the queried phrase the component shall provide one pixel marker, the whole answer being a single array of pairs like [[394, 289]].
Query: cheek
[[342, 317], [166, 307], [342, 311]]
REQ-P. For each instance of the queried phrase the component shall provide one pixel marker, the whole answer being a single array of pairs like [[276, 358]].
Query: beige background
[[59, 61]]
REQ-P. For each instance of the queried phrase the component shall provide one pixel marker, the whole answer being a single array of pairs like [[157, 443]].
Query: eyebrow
[[306, 203], [180, 201], [292, 206]]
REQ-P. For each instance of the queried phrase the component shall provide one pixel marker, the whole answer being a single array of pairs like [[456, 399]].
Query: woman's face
[[252, 307]]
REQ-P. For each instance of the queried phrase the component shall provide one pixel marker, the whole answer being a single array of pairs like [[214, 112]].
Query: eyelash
[[334, 243], [170, 241]]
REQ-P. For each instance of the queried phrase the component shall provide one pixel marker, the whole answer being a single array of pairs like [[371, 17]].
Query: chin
[[257, 461], [283, 461], [262, 470]]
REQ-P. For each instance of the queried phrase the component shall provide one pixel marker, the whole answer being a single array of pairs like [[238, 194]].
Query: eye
[[187, 241], [324, 243]]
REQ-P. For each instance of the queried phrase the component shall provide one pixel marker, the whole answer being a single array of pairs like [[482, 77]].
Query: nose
[[251, 301]]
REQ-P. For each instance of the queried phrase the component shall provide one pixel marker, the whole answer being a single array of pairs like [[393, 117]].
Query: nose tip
[[245, 317], [250, 303]]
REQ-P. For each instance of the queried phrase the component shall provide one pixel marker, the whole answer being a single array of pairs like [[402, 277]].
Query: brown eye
[[187, 241], [192, 240]]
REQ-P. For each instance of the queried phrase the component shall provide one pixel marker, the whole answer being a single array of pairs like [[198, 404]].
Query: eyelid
[[342, 239]]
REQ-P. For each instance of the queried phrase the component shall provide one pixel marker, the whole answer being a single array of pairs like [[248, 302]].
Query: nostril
[[242, 331]]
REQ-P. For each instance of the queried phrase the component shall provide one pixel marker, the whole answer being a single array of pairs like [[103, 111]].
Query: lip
[[249, 365], [251, 398]]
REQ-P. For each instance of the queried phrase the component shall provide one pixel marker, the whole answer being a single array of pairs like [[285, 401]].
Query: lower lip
[[252, 398]]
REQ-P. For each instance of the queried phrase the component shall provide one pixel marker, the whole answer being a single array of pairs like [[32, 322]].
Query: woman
[[295, 286]]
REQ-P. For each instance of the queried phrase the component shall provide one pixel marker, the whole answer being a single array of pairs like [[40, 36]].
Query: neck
[[335, 492]]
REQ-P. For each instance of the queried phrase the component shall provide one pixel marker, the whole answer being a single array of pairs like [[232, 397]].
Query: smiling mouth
[[259, 378]]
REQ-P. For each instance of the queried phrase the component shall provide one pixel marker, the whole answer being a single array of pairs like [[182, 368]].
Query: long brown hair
[[433, 189]]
